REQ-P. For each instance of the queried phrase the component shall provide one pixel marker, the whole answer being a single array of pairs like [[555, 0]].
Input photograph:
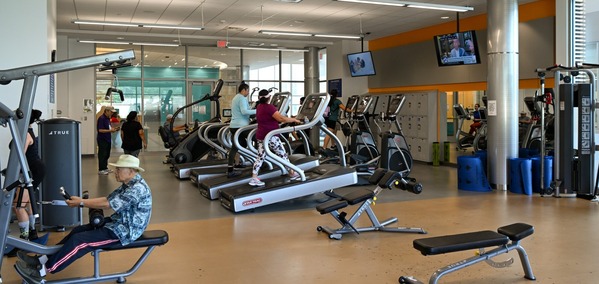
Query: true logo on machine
[[58, 132]]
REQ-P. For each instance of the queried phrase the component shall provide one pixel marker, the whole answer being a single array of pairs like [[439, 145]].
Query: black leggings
[[234, 150]]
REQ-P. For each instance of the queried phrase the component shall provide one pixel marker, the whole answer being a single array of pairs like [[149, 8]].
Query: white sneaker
[[295, 176], [256, 182]]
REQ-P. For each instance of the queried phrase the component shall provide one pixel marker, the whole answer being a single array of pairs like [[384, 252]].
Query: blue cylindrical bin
[[521, 176], [482, 155], [471, 175], [536, 173]]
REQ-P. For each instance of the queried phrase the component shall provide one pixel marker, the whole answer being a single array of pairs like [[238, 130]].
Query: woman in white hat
[[132, 206]]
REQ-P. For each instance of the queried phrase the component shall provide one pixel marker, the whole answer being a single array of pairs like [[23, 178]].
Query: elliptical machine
[[362, 145], [463, 139], [395, 153]]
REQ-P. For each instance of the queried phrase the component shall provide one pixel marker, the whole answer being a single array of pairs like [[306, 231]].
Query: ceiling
[[238, 21]]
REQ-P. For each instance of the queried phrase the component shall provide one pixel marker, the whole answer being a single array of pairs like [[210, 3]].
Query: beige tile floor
[[280, 244]]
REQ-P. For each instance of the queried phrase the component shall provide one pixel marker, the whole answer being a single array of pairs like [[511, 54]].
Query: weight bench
[[476, 240], [148, 240], [382, 178]]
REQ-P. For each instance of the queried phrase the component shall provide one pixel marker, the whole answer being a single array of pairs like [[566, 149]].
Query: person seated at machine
[[176, 128], [132, 206], [476, 123]]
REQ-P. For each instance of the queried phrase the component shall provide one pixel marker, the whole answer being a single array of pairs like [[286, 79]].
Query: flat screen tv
[[361, 64], [457, 49]]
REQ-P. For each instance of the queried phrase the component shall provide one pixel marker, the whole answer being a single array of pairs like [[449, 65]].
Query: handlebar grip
[[64, 193]]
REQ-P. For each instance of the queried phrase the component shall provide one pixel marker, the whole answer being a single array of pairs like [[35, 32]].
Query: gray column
[[311, 85], [502, 90], [311, 72]]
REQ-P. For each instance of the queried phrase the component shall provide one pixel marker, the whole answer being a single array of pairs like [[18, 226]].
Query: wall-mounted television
[[361, 64], [457, 49]]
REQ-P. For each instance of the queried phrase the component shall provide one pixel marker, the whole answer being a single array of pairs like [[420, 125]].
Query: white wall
[[29, 41], [337, 68], [74, 87]]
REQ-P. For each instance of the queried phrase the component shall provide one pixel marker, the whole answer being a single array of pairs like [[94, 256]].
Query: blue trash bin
[[471, 175], [536, 173], [521, 175], [482, 155]]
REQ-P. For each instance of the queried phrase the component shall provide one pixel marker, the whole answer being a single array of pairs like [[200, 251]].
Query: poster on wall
[[335, 84]]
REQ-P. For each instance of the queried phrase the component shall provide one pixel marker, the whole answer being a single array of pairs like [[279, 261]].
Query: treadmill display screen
[[363, 104], [309, 108], [394, 105], [277, 101], [351, 102]]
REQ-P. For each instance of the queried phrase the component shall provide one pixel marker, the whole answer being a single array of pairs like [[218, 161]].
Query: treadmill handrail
[[209, 141], [318, 118]]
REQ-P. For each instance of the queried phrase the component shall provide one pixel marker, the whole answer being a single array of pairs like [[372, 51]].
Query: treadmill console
[[534, 108], [309, 108], [363, 104], [459, 109], [395, 105], [351, 102], [277, 100]]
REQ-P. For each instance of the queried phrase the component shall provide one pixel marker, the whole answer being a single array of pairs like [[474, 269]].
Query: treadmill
[[199, 173], [206, 133], [210, 181], [316, 180]]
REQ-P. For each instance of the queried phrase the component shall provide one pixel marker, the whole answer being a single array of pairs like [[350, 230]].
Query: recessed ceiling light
[[444, 17], [120, 37]]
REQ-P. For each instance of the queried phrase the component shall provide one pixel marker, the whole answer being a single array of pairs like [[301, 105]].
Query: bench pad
[[148, 238], [331, 206], [517, 231], [459, 242], [358, 196]]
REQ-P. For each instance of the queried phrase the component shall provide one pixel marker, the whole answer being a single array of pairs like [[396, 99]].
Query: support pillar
[[502, 81]]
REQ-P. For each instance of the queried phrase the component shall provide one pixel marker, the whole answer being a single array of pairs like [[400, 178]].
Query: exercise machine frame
[[18, 122]]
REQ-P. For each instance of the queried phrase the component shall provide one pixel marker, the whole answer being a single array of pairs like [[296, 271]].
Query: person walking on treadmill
[[476, 123], [331, 121], [268, 118], [240, 117]]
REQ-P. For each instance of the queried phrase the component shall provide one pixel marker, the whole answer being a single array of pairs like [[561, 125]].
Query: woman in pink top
[[268, 118]]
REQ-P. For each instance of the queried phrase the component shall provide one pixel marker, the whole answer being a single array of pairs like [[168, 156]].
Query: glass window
[[263, 64], [292, 68], [322, 65], [213, 63], [297, 92]]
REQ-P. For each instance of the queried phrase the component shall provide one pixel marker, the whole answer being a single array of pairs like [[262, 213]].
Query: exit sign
[[221, 43]]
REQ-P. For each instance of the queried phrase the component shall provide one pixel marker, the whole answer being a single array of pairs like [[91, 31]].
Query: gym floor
[[280, 243]]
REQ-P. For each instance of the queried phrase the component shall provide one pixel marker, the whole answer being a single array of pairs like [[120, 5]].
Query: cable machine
[[574, 161]]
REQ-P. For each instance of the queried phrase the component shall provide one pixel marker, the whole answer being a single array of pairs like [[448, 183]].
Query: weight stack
[[60, 148]]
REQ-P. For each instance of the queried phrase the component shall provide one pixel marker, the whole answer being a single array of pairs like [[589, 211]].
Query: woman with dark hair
[[132, 134], [333, 116], [268, 118]]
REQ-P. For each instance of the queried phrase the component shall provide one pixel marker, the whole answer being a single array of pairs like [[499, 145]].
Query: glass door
[[201, 112]]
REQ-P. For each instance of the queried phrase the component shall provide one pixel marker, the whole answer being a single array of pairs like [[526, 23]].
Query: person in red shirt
[[268, 118]]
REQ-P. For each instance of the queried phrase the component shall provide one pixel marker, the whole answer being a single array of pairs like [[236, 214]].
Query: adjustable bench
[[382, 178], [476, 240], [148, 240]]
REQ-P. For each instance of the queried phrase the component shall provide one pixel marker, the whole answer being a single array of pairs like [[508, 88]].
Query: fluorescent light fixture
[[413, 5], [266, 32], [127, 43], [284, 33], [268, 48], [139, 25], [339, 36]]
